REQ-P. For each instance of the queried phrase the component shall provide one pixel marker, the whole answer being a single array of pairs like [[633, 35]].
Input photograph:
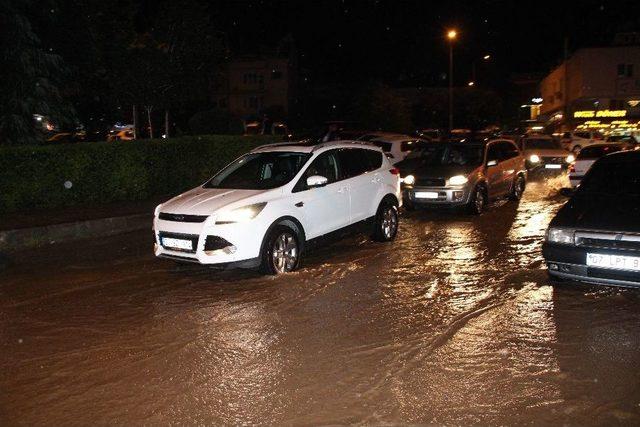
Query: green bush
[[34, 177]]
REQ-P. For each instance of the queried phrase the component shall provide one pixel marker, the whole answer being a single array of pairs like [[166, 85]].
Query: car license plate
[[170, 242], [426, 195], [618, 262], [552, 166]]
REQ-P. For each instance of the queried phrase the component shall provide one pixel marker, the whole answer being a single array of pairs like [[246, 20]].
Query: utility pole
[[451, 35]]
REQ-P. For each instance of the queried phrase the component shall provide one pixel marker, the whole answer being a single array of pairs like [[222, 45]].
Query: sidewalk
[[23, 230]]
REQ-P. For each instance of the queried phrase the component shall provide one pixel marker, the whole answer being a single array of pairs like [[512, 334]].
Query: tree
[[376, 106], [32, 77]]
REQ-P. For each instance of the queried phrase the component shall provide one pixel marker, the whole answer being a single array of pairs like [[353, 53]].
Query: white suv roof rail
[[330, 143], [279, 144]]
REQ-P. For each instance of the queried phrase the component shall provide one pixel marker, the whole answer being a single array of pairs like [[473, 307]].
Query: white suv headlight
[[243, 214], [563, 236], [457, 180]]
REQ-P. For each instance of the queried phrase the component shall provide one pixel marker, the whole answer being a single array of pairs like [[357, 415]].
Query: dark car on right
[[595, 237]]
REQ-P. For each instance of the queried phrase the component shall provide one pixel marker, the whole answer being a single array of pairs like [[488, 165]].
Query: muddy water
[[454, 323]]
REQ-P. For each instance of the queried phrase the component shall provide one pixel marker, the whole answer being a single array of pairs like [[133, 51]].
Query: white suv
[[265, 207]]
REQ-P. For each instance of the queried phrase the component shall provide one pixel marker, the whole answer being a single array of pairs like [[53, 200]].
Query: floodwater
[[455, 323]]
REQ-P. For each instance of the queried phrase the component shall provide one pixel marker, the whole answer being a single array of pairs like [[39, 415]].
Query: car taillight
[[394, 171]]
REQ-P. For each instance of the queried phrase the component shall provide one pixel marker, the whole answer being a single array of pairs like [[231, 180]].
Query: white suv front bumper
[[209, 241]]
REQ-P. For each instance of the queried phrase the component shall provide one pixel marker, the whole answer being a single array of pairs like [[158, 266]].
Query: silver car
[[468, 174]]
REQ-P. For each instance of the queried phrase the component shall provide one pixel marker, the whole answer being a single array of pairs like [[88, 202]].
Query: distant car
[[628, 139], [460, 135], [576, 141], [434, 135], [543, 152], [395, 145], [120, 135], [464, 174], [264, 208], [595, 236], [588, 157]]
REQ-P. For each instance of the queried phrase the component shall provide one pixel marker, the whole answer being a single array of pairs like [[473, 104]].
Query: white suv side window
[[326, 164]]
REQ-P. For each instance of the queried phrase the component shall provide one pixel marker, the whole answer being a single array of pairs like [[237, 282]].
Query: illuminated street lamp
[[470, 83], [451, 36], [486, 57]]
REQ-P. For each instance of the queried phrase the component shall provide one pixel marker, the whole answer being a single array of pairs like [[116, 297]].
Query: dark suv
[[467, 174], [595, 237]]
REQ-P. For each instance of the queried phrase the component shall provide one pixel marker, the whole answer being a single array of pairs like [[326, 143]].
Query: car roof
[[390, 136], [536, 136], [311, 147], [626, 156]]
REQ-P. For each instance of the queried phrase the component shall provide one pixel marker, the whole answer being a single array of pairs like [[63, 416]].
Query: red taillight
[[394, 171]]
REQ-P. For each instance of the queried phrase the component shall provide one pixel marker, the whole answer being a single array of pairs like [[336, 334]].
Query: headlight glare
[[243, 214], [571, 158], [457, 180], [560, 235], [409, 180], [534, 158]]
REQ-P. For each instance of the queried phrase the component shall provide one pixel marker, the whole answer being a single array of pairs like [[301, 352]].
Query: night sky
[[402, 42]]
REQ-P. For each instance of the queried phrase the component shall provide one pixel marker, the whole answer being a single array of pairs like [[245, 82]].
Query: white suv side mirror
[[316, 181]]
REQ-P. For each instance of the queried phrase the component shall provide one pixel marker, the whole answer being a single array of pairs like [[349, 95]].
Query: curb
[[26, 238]]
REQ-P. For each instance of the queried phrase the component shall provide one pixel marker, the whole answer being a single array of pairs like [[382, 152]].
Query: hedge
[[42, 177]]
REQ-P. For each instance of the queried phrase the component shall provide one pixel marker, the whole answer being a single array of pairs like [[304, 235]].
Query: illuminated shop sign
[[587, 114]]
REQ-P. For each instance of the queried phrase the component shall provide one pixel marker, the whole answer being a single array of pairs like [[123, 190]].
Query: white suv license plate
[[170, 242], [617, 262], [552, 166], [426, 195]]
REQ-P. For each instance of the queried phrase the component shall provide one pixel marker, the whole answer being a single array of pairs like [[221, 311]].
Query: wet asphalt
[[454, 323]]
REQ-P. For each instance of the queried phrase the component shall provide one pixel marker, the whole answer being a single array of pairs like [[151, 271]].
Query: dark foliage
[[34, 177]]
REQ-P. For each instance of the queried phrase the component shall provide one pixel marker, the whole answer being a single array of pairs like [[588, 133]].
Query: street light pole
[[451, 35], [450, 86]]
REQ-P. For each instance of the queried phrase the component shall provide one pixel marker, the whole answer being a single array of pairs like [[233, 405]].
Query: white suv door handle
[[343, 189]]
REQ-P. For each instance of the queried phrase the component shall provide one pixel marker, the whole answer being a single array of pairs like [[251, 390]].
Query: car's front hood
[[600, 212], [419, 170], [206, 201], [547, 152]]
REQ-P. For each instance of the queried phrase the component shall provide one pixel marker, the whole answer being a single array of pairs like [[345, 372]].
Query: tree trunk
[[149, 108], [135, 122], [166, 123]]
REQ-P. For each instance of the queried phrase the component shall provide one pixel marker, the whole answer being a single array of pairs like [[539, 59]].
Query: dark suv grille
[[553, 160], [182, 218], [622, 242], [430, 182]]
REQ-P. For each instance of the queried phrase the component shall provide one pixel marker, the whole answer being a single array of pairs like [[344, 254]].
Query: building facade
[[595, 88], [255, 86]]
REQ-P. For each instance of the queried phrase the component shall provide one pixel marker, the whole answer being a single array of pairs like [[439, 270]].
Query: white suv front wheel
[[386, 222], [281, 252]]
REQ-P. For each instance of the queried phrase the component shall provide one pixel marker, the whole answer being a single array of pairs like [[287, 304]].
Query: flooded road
[[454, 323]]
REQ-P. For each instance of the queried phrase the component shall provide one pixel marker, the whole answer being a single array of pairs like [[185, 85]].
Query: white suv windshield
[[259, 171]]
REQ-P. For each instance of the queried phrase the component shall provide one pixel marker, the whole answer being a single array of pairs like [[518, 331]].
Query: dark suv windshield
[[612, 177], [259, 171], [448, 154], [541, 144]]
